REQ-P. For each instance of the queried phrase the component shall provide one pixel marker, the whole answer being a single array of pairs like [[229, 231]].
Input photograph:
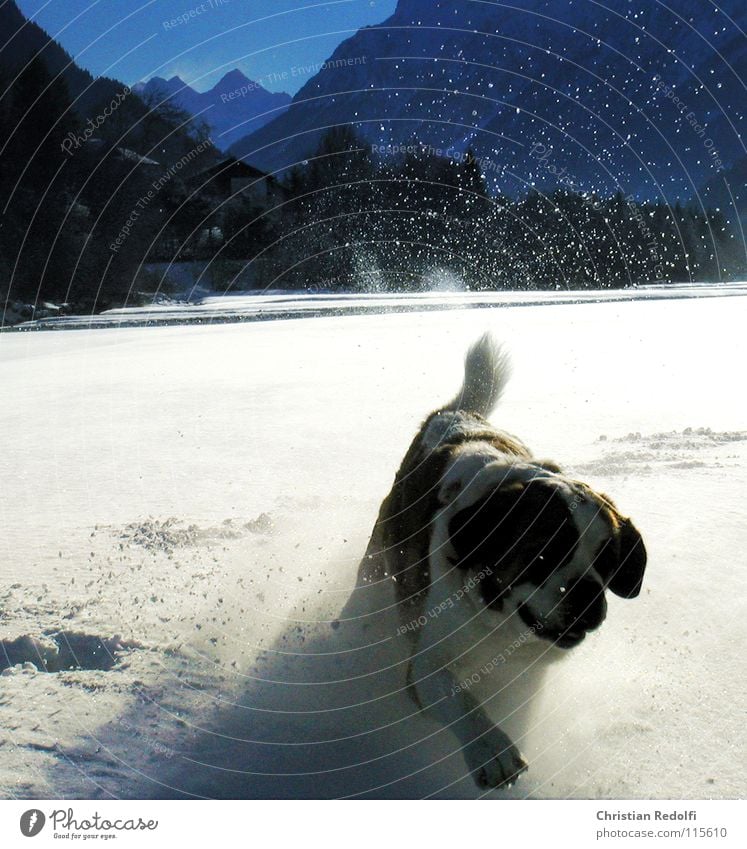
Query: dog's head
[[545, 546]]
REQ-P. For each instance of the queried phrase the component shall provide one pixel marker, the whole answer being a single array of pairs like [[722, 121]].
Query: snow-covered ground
[[183, 512], [209, 307]]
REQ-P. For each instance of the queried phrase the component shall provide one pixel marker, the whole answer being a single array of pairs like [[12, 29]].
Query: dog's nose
[[585, 599]]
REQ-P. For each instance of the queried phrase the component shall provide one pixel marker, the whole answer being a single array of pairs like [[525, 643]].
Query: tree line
[[356, 220], [71, 179]]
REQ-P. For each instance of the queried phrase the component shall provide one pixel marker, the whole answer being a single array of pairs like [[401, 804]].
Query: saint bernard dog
[[498, 561]]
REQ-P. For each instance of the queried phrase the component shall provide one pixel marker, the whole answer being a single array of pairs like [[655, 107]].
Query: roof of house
[[231, 169]]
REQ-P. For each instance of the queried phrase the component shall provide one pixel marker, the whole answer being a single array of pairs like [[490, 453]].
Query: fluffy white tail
[[486, 373]]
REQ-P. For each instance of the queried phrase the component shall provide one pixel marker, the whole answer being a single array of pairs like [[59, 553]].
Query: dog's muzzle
[[581, 608]]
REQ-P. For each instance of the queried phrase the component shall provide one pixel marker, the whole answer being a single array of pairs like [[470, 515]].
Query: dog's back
[[398, 549]]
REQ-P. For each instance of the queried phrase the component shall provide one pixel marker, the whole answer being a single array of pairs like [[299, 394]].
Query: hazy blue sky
[[137, 39]]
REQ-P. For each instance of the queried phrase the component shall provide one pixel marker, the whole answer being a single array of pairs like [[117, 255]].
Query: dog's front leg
[[491, 757]]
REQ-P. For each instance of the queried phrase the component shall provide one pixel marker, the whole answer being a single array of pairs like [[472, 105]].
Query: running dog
[[496, 556]]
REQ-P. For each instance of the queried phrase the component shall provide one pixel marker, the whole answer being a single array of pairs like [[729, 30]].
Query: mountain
[[98, 157], [22, 39], [598, 96], [234, 107]]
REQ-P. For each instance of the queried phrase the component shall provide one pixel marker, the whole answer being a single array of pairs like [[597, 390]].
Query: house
[[233, 180]]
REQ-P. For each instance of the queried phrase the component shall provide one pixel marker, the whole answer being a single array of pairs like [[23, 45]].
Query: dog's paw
[[501, 771], [495, 770]]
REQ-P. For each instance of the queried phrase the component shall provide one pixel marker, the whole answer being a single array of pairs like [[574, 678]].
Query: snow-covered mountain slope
[[643, 97], [204, 494], [234, 107]]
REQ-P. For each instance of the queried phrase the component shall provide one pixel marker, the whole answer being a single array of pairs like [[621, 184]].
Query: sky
[[201, 40]]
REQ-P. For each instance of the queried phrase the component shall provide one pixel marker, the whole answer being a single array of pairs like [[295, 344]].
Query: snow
[[184, 509], [445, 292]]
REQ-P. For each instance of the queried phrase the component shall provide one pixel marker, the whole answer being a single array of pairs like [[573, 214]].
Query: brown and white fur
[[498, 560]]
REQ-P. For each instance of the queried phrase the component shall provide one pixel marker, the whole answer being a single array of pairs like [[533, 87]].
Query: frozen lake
[[210, 308]]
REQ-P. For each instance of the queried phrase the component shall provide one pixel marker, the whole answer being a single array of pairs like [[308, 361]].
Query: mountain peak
[[234, 103], [232, 78]]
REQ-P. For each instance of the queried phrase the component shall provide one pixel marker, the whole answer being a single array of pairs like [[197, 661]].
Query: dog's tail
[[486, 373]]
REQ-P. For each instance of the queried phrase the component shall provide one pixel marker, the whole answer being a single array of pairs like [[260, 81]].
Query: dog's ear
[[629, 577], [621, 562]]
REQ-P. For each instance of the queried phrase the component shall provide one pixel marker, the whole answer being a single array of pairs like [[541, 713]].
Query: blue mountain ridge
[[637, 97], [234, 107]]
